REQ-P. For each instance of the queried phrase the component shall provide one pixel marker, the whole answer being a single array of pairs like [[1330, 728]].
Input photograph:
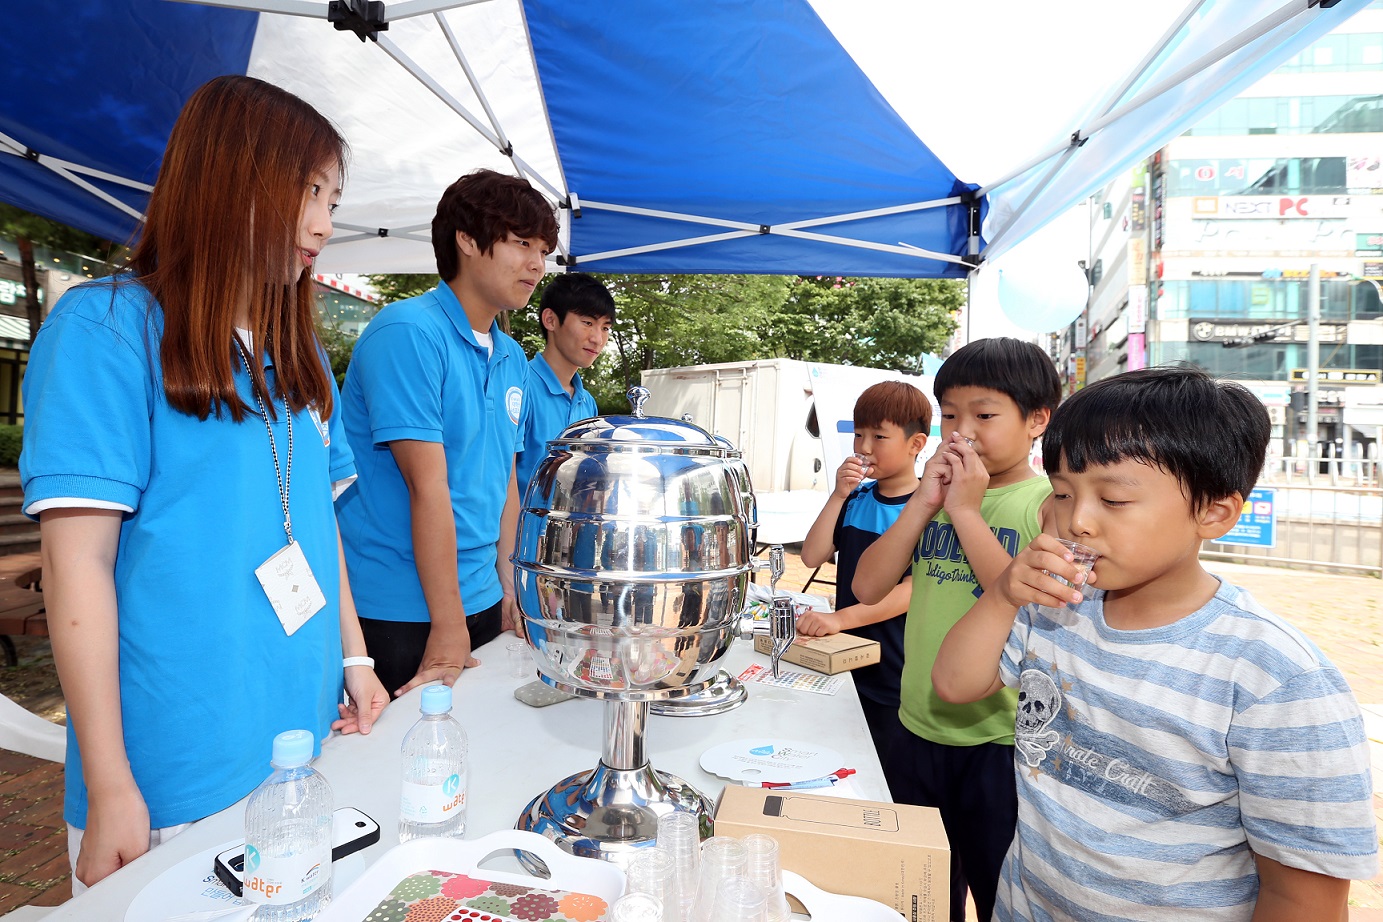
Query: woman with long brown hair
[[182, 452]]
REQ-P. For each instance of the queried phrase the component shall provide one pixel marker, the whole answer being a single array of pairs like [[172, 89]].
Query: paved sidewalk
[[1342, 614]]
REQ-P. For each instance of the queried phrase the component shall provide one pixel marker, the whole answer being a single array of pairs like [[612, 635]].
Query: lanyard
[[284, 475]]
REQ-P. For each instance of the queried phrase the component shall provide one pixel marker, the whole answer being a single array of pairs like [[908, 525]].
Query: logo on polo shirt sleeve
[[322, 427], [513, 402]]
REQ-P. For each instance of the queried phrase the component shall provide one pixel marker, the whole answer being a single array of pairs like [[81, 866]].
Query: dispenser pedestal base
[[610, 813]]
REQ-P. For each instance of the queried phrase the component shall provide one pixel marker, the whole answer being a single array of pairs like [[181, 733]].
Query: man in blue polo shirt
[[433, 406], [577, 311]]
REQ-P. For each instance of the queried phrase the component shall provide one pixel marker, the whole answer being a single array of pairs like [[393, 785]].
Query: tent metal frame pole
[[507, 144], [671, 216], [426, 79], [1221, 52], [571, 200], [757, 228], [317, 9], [1110, 102], [901, 250], [873, 213], [1038, 188], [371, 233], [1254, 32], [1137, 73], [743, 229], [70, 172], [422, 76]]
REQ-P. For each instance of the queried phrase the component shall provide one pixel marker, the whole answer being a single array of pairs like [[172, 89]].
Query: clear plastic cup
[[679, 837], [763, 868], [637, 907], [739, 899], [654, 872], [1084, 558], [520, 660], [722, 859]]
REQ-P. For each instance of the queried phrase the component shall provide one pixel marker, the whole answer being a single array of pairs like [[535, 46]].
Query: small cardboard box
[[831, 654], [894, 853]]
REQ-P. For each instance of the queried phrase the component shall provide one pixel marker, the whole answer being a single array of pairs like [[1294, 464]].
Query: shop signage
[[1268, 238], [1340, 375], [11, 292], [1257, 525], [1217, 331], [1368, 244], [1137, 309], [1362, 172], [1283, 207]]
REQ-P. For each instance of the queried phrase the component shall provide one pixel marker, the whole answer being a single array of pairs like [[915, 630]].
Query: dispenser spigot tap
[[783, 621]]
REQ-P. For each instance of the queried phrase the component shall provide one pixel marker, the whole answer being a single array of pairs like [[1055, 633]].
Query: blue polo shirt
[[418, 373], [207, 675], [549, 409]]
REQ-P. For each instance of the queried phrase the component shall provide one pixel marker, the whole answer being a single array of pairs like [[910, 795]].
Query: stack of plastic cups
[[637, 907], [722, 858], [761, 858], [679, 837], [739, 899], [653, 872]]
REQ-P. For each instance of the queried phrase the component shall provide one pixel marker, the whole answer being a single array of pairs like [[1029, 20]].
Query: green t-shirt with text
[[943, 589]]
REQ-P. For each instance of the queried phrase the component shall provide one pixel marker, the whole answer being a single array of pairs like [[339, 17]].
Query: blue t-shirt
[[207, 675], [549, 409], [865, 516], [418, 373]]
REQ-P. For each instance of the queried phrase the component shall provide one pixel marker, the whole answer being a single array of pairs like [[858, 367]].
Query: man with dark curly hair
[[433, 404]]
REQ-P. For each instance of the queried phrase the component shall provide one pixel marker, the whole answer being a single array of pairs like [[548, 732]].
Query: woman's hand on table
[[367, 697], [117, 832]]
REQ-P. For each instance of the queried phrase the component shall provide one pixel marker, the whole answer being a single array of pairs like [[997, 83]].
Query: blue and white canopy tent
[[814, 137]]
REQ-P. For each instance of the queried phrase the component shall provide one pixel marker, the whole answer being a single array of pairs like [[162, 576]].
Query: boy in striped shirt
[[1181, 753]]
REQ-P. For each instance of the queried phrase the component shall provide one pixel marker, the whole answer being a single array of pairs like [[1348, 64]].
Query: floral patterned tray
[[440, 880], [442, 896]]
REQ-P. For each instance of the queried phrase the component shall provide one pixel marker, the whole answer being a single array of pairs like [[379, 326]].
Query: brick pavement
[[1342, 614]]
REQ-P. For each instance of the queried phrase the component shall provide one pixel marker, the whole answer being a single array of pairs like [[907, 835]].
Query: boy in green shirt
[[979, 502]]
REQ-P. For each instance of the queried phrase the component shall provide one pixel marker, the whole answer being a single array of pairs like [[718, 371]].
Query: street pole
[[1313, 352]]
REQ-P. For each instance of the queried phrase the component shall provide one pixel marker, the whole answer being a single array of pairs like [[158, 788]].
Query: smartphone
[[351, 830]]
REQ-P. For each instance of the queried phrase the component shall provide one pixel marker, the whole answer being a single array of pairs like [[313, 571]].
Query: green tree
[[876, 322], [338, 345], [670, 320], [28, 230], [396, 287], [664, 321]]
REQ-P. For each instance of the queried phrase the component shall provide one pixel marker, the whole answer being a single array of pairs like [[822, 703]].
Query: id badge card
[[291, 587]]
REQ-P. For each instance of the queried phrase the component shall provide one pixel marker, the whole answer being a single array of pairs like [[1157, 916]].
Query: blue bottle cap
[[293, 748], [436, 699]]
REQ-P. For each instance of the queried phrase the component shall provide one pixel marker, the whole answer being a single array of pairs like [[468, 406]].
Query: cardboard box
[[894, 853], [830, 654]]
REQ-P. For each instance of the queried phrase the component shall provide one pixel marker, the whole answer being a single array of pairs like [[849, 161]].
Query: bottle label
[[279, 881], [433, 803]]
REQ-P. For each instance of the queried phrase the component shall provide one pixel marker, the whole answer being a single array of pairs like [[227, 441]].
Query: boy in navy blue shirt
[[577, 311], [892, 420]]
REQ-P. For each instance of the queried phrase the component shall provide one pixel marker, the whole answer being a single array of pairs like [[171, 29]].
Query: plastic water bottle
[[288, 836], [434, 771]]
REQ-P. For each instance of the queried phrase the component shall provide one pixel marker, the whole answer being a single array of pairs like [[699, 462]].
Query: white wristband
[[350, 661]]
